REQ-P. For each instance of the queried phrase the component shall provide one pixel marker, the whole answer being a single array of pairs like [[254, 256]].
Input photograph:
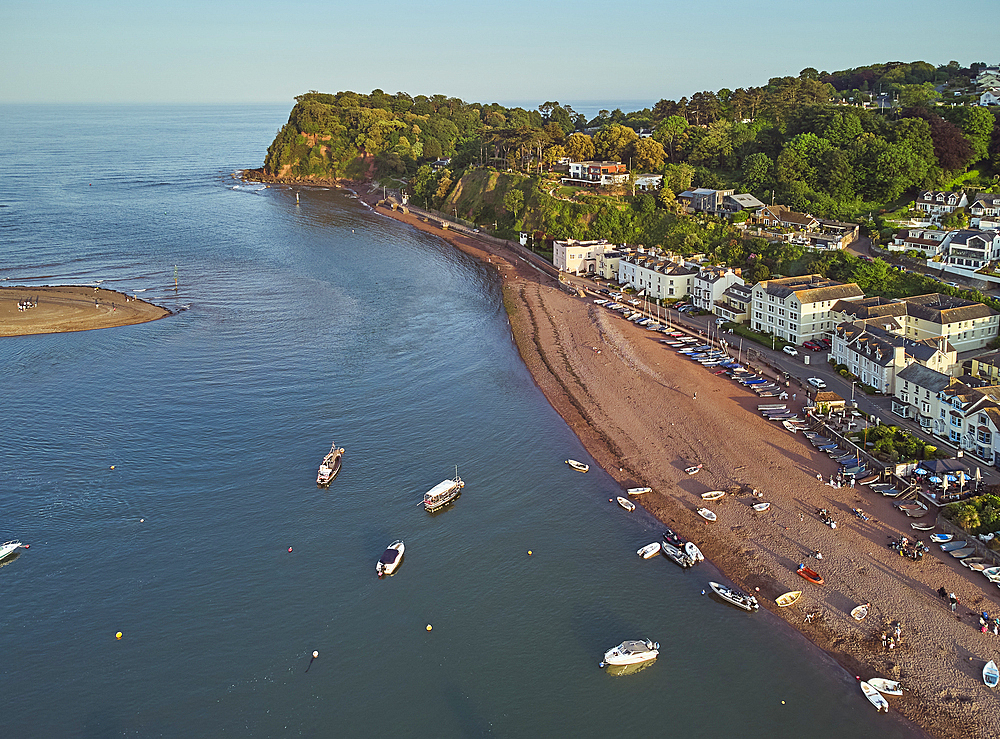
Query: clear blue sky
[[221, 51]]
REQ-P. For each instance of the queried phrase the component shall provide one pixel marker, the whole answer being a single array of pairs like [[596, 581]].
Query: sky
[[512, 51]]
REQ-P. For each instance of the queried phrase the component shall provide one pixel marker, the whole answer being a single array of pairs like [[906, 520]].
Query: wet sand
[[70, 308]]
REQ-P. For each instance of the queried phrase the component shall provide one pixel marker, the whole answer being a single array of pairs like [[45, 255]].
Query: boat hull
[[650, 550], [578, 466], [875, 697], [735, 597], [786, 599], [390, 559], [627, 504], [886, 687], [631, 652], [329, 468], [707, 514], [442, 494], [990, 674], [8, 548], [810, 575]]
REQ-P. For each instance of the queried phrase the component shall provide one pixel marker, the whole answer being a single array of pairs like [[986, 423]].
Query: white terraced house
[[798, 309], [659, 277]]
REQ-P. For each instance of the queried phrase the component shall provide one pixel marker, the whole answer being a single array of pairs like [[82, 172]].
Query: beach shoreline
[[31, 310]]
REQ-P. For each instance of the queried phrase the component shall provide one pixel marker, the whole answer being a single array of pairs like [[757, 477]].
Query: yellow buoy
[[118, 635], [429, 627], [112, 466], [529, 552]]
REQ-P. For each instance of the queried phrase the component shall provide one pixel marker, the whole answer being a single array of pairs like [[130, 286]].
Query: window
[[983, 437], [956, 422]]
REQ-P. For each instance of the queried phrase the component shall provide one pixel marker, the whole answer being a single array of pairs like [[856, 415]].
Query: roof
[[942, 309], [747, 200], [924, 377], [872, 341], [808, 288], [827, 397], [873, 307]]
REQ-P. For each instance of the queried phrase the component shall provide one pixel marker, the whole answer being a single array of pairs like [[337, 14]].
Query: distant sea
[[209, 546], [589, 108]]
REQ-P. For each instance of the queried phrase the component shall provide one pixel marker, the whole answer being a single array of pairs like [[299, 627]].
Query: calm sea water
[[297, 325]]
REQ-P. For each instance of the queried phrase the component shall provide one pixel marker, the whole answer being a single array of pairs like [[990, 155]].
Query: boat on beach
[[952, 546], [329, 468], [810, 574], [886, 687], [923, 526], [976, 563], [990, 674], [786, 599], [578, 466], [712, 495], [694, 469], [676, 555], [941, 538], [650, 550], [625, 503], [691, 549], [390, 558], [875, 697], [639, 491], [631, 652], [9, 547], [963, 552], [861, 612], [735, 596], [761, 507], [671, 537], [707, 514], [443, 493]]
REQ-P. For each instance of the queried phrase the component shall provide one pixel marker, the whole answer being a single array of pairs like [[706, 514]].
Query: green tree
[[647, 155], [756, 170], [669, 131], [513, 201], [579, 147], [612, 141], [918, 96]]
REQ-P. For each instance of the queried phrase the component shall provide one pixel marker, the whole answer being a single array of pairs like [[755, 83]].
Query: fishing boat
[[786, 599], [691, 549], [712, 495], [650, 550], [861, 612], [952, 546], [887, 687], [639, 491], [810, 574], [761, 507], [875, 697], [693, 469], [329, 468], [735, 596], [963, 552], [707, 514], [941, 538], [631, 652], [990, 674], [8, 548], [922, 526], [625, 503], [578, 466], [390, 558], [443, 493]]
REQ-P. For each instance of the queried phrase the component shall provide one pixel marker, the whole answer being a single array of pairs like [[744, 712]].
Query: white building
[[941, 203], [710, 284], [971, 250], [579, 257], [929, 242], [798, 309], [659, 277]]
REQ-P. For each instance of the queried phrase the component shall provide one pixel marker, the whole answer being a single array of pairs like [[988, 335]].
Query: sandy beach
[[645, 413], [70, 308]]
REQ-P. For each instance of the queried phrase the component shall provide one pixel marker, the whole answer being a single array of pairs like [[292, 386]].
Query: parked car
[[824, 342], [812, 346], [816, 382], [790, 350]]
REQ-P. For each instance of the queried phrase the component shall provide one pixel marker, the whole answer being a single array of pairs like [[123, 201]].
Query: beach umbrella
[[919, 471], [935, 479], [944, 484], [951, 478], [961, 481]]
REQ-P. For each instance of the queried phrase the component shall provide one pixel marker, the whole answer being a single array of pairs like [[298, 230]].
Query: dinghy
[[888, 687], [707, 514], [941, 538], [578, 466], [650, 550], [963, 553], [735, 596], [712, 495], [761, 507], [952, 546], [693, 469], [990, 674], [991, 572], [691, 549], [625, 503], [875, 697], [786, 599], [638, 491], [975, 563], [922, 526], [861, 612], [810, 574]]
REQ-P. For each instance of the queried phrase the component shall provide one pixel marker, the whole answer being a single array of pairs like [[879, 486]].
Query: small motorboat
[[991, 572], [963, 553], [941, 538], [639, 491], [861, 612], [673, 539], [650, 550], [761, 507], [329, 468], [952, 546], [887, 687], [707, 514], [990, 674], [625, 503], [735, 596], [390, 559], [9, 547], [875, 697], [676, 555], [691, 549], [923, 526], [631, 652], [712, 495], [695, 469], [786, 599], [810, 574], [578, 466]]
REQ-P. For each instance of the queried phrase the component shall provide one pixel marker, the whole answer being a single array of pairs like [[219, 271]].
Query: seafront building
[[798, 309], [657, 276], [580, 257], [711, 283], [596, 174]]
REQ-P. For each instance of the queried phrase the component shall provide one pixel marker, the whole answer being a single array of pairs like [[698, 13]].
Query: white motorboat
[[625, 503], [632, 652], [578, 466], [443, 493], [761, 507], [990, 674], [329, 468], [639, 491], [693, 470], [875, 697], [887, 687], [650, 550], [707, 514], [737, 597], [9, 547], [942, 538], [390, 559], [692, 550]]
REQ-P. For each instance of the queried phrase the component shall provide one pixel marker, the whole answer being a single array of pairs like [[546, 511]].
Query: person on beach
[[942, 593], [952, 601], [695, 396]]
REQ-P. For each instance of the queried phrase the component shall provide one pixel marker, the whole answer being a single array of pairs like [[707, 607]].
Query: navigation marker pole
[[175, 278]]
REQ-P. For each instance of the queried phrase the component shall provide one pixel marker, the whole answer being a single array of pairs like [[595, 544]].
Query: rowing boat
[[787, 599], [861, 612], [810, 574], [712, 495], [888, 687], [761, 507], [707, 514], [625, 503], [874, 697], [578, 466]]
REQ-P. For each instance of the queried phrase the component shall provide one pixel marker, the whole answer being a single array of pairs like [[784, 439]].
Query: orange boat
[[810, 574]]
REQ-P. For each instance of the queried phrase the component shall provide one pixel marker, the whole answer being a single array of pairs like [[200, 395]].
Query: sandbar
[[70, 308]]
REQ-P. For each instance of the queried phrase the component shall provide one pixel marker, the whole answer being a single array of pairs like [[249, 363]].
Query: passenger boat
[[694, 469], [761, 507], [786, 599], [735, 596], [707, 514], [8, 548], [887, 687], [990, 674], [390, 559], [631, 652], [691, 549], [874, 697], [329, 468], [861, 612], [650, 550], [712, 495], [639, 491], [810, 574], [443, 493], [578, 466], [625, 503]]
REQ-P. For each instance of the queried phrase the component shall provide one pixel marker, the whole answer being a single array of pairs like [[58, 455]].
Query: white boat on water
[[329, 468], [707, 514], [9, 547], [390, 559], [650, 550], [625, 503], [639, 491], [631, 652], [875, 697], [691, 549], [443, 493], [886, 687], [990, 674], [578, 466], [737, 597]]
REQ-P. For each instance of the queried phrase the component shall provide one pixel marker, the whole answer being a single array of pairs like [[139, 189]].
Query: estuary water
[[209, 545]]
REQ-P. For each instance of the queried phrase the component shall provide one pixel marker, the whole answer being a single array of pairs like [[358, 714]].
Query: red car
[[813, 346]]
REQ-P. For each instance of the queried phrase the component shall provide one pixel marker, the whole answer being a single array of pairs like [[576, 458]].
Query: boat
[[625, 503], [875, 697], [691, 549], [922, 526], [991, 572], [735, 596], [861, 612], [761, 507], [8, 548], [963, 553], [639, 491], [443, 493], [990, 674], [810, 574], [952, 546], [390, 559], [631, 652], [671, 537], [578, 466], [707, 514], [675, 555], [712, 495], [941, 538], [693, 469], [975, 563], [650, 550], [887, 687], [329, 468], [786, 599]]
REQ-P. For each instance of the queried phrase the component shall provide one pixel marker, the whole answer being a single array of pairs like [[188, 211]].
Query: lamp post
[[853, 383]]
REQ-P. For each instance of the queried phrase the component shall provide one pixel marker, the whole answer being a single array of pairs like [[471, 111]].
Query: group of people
[[27, 304], [825, 517], [986, 625], [893, 637], [914, 550]]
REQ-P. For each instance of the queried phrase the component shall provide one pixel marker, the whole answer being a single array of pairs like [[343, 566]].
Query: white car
[[816, 382], [790, 350]]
